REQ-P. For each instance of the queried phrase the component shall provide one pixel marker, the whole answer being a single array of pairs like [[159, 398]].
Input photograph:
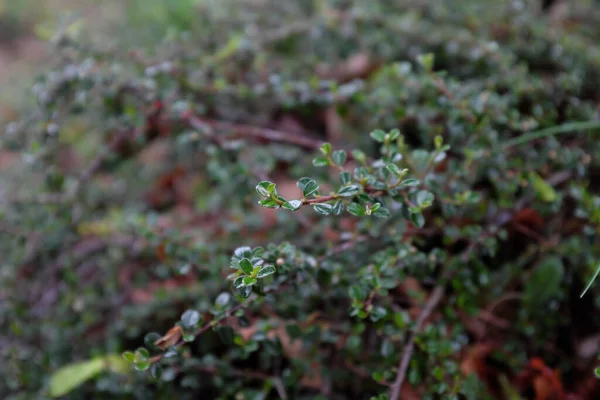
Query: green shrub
[[328, 199]]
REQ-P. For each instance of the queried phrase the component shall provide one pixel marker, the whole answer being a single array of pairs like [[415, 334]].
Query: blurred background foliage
[[118, 214]]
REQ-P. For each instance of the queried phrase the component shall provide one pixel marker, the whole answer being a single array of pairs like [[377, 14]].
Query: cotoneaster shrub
[[303, 200]]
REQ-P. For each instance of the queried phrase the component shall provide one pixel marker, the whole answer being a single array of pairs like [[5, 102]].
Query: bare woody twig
[[430, 305], [246, 131]]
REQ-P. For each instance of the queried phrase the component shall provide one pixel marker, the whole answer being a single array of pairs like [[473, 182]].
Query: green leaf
[[190, 319], [249, 281], [129, 356], [326, 149], [425, 199], [246, 266], [266, 271], [74, 375], [360, 173], [308, 186], [356, 209], [141, 354], [543, 189], [338, 207], [394, 134], [245, 291], [356, 293], [345, 177], [387, 348], [597, 372], [378, 135], [323, 208], [382, 212], [242, 252], [426, 61], [292, 205], [239, 282], [223, 299], [320, 162], [350, 190], [394, 169], [417, 219], [269, 203], [150, 339], [359, 156], [156, 371], [545, 281], [263, 188], [339, 157], [409, 182]]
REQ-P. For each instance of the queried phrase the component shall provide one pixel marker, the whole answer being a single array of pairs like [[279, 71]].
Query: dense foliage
[[310, 200]]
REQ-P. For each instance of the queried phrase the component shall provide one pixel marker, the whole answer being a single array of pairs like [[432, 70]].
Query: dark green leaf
[[349, 190], [156, 371], [378, 135], [545, 281], [320, 162], [242, 252], [356, 209], [226, 334], [387, 348], [292, 205], [308, 186], [268, 203], [382, 212], [339, 157], [223, 299], [246, 266], [345, 177], [190, 318], [266, 271], [417, 219], [245, 291], [239, 282], [360, 173], [394, 134], [394, 169], [338, 207], [249, 281], [409, 182], [150, 338], [425, 199], [263, 188], [323, 208]]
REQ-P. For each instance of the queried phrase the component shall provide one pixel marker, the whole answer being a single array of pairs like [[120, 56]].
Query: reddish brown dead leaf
[[478, 360], [161, 253], [545, 382], [170, 338], [528, 218], [358, 66]]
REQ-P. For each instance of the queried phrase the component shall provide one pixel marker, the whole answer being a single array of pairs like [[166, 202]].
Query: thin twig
[[206, 327], [253, 132], [552, 131], [430, 305]]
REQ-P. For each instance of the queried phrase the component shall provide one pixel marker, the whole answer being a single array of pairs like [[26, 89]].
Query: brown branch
[[430, 305], [322, 199], [206, 327], [253, 132]]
